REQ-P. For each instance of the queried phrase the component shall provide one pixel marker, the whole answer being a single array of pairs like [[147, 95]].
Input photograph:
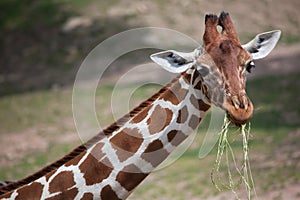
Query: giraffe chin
[[239, 116]]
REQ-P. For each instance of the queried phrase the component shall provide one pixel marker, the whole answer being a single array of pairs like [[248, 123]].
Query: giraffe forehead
[[228, 56]]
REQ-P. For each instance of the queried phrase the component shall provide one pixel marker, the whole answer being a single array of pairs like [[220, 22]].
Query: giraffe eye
[[249, 66]]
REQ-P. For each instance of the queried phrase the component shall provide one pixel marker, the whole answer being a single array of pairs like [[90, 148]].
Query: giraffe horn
[[211, 33], [227, 25]]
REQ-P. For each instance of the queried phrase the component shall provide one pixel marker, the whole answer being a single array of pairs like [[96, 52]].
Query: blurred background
[[43, 43]]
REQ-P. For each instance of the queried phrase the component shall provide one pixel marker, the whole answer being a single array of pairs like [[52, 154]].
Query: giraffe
[[114, 162]]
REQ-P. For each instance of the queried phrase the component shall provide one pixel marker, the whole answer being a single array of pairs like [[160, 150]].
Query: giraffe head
[[222, 63]]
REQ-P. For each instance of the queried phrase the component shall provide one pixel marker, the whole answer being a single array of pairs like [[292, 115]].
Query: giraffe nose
[[239, 109]]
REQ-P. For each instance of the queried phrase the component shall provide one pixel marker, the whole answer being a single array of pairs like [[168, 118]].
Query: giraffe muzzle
[[239, 109]]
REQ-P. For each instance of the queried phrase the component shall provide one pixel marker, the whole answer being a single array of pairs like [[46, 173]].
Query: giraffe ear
[[262, 44], [173, 61]]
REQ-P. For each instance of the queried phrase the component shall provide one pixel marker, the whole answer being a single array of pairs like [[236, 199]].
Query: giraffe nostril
[[242, 105], [240, 102], [235, 102]]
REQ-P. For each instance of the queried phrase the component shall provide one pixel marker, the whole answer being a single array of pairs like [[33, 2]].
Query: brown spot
[[154, 146], [198, 85], [32, 191], [62, 182], [127, 142], [141, 115], [97, 151], [199, 103], [108, 193], [203, 106], [186, 77], [87, 196], [183, 114], [195, 77], [95, 171], [194, 101], [68, 194], [194, 121], [159, 119], [130, 176], [155, 153], [175, 137], [175, 94]]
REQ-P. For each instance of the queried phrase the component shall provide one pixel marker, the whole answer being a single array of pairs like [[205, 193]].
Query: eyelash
[[249, 66]]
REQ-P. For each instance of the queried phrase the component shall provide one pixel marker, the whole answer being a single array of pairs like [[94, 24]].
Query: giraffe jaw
[[238, 114]]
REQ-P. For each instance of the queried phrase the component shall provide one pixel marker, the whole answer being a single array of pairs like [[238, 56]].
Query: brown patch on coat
[[155, 153], [87, 196], [175, 94], [108, 193], [194, 121], [62, 182], [199, 103], [175, 137], [97, 152], [183, 114], [130, 176], [203, 106], [32, 191], [198, 85], [95, 171], [160, 118], [127, 142]]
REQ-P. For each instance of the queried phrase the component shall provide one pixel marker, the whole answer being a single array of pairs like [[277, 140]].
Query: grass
[[34, 161], [32, 109], [275, 98]]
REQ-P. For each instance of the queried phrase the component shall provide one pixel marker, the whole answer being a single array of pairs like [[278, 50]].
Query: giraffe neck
[[112, 167]]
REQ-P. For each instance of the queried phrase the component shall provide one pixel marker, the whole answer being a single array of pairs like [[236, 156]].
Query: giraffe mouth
[[239, 109]]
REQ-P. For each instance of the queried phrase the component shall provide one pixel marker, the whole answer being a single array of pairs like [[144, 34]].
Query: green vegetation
[[32, 162], [237, 174], [32, 109]]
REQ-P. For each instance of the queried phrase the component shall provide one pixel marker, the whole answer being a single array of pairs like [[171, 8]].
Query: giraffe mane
[[75, 152]]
